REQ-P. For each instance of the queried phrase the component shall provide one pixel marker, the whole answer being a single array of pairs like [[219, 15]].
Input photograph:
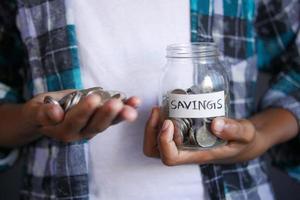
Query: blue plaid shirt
[[253, 36]]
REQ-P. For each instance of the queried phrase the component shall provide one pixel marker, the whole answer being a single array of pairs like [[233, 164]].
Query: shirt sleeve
[[278, 47], [284, 91], [12, 60]]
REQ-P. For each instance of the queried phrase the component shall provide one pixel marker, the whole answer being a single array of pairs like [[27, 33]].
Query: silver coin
[[185, 127], [178, 134], [89, 91], [178, 91], [180, 128], [67, 104], [187, 122], [51, 100], [192, 122], [105, 96], [208, 120], [117, 95], [74, 100], [194, 90], [192, 138], [63, 100], [204, 138]]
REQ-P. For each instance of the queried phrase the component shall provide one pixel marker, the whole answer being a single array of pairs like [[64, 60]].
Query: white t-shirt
[[122, 47]]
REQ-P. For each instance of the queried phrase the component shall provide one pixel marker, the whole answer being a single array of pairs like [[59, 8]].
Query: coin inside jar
[[178, 91], [192, 139], [204, 138], [194, 90], [180, 130], [187, 122]]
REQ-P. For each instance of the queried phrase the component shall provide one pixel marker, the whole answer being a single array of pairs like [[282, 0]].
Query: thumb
[[167, 146], [233, 130]]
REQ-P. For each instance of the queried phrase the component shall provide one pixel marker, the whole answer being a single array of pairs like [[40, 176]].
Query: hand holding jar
[[192, 125]]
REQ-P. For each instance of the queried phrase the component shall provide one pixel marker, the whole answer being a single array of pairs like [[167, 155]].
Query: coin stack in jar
[[191, 132]]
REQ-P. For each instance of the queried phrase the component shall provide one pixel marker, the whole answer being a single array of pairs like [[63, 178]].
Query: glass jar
[[194, 90]]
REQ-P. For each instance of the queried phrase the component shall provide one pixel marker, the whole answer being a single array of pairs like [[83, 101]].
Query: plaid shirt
[[253, 36]]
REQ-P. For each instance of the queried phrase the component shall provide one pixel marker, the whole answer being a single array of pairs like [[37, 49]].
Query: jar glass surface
[[194, 90]]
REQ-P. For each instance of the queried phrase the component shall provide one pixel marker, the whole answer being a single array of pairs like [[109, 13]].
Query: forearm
[[15, 126], [274, 126]]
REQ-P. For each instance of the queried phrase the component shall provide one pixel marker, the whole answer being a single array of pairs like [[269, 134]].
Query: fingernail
[[219, 124], [165, 125]]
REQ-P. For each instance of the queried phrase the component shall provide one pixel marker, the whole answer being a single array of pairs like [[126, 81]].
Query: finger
[[233, 130], [167, 147], [49, 114], [128, 114], [133, 102], [151, 134], [222, 154], [103, 117], [171, 155], [77, 117]]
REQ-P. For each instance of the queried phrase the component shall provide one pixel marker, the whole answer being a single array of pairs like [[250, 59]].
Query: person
[[120, 45]]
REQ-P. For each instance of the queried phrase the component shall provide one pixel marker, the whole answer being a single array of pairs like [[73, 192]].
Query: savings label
[[197, 105]]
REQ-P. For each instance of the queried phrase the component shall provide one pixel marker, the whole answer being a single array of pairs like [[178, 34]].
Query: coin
[[180, 128], [194, 90], [187, 122], [74, 100], [105, 96], [192, 139], [89, 91], [207, 123], [178, 91], [192, 122], [51, 100], [63, 100], [178, 134], [117, 95], [204, 138], [66, 101]]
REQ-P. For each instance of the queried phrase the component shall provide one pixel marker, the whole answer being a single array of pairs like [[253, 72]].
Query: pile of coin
[[70, 100], [193, 132]]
